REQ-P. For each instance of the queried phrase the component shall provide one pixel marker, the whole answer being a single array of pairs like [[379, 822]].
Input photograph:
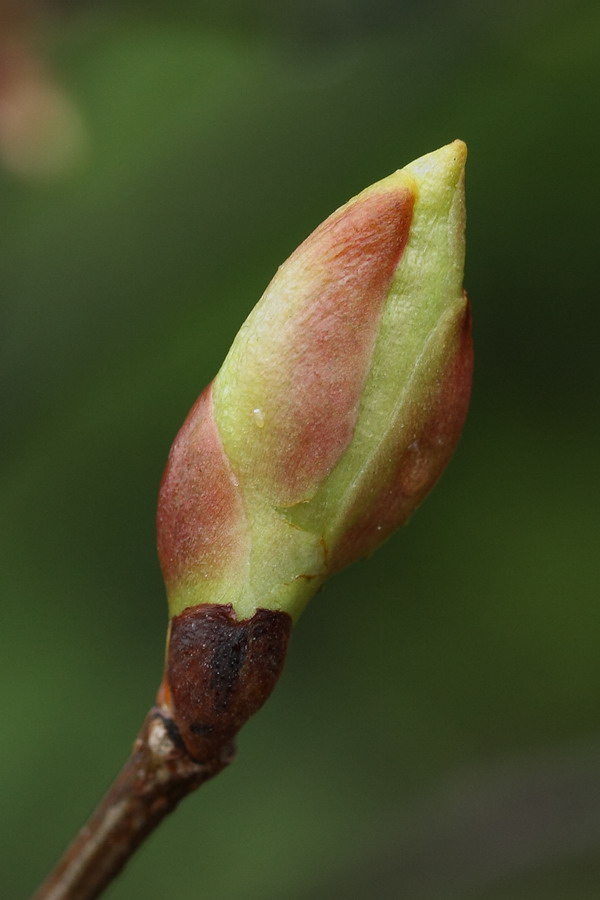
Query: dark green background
[[436, 733]]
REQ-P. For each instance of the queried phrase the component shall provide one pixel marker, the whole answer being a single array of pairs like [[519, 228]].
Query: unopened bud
[[335, 411]]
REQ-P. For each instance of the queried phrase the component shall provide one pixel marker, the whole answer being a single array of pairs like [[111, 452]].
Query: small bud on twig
[[337, 408], [334, 413]]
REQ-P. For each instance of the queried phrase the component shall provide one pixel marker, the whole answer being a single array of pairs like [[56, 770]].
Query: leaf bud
[[336, 410]]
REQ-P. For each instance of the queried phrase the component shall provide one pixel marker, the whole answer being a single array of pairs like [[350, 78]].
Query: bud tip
[[443, 167]]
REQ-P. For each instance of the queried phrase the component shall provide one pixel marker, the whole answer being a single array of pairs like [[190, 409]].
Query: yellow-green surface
[[436, 732]]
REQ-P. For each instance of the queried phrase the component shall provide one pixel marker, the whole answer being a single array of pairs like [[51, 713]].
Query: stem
[[158, 774]]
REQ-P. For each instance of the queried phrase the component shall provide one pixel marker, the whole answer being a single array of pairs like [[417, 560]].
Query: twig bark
[[159, 773]]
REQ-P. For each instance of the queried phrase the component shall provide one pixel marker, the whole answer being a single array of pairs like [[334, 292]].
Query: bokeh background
[[436, 733]]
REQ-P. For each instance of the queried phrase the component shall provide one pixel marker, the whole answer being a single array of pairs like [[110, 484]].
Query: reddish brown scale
[[422, 462], [220, 671], [200, 511], [349, 262]]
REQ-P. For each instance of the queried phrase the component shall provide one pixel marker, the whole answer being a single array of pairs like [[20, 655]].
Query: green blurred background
[[436, 733]]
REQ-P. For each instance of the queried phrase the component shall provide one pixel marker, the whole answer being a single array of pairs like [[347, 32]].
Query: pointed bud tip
[[442, 167], [436, 174]]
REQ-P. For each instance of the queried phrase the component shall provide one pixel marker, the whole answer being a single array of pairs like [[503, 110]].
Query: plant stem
[[158, 774]]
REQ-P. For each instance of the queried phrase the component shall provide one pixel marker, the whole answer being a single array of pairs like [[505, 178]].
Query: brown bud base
[[220, 671]]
